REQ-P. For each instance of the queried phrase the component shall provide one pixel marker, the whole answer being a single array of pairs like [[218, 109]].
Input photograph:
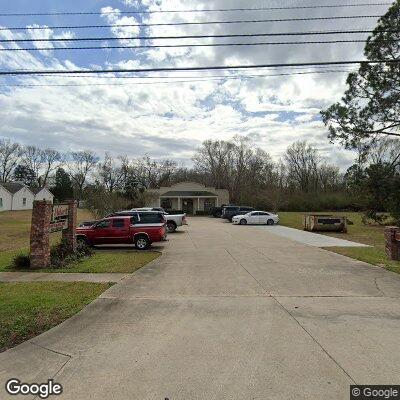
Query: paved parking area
[[309, 238], [226, 313]]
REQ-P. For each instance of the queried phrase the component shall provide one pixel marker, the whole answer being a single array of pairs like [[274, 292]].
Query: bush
[[21, 261], [61, 255]]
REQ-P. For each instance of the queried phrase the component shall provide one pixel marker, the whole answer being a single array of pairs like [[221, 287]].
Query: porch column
[[179, 203], [198, 204], [217, 202]]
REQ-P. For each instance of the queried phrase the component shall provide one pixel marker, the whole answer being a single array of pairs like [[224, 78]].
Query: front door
[[187, 206]]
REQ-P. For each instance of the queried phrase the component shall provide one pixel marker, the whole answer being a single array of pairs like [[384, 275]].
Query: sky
[[169, 114]]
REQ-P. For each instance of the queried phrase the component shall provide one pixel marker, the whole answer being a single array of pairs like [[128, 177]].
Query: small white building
[[5, 199], [42, 194], [189, 197], [17, 196]]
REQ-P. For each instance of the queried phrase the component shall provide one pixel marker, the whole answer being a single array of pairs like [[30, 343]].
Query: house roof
[[12, 187], [36, 190], [188, 193]]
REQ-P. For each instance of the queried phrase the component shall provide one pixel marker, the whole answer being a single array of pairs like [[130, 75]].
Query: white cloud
[[170, 120]]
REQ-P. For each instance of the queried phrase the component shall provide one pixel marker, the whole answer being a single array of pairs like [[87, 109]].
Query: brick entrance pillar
[[391, 244], [69, 234], [40, 235]]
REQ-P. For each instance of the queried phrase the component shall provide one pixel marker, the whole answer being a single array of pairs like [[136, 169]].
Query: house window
[[24, 201], [1, 202]]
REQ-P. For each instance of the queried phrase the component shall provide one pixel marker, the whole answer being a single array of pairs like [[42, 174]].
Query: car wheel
[[171, 226], [243, 222], [270, 222], [142, 242]]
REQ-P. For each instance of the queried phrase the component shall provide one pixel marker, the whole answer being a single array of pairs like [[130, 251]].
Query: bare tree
[[81, 165], [10, 154], [110, 173], [33, 158], [151, 173], [214, 160], [302, 162], [52, 160]]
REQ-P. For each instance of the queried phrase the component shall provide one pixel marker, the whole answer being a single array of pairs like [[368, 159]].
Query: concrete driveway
[[228, 312]]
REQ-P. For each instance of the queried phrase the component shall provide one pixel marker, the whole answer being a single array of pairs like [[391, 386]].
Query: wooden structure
[[324, 223]]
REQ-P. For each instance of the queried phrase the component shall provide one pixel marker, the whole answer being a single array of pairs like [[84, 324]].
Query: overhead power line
[[189, 11], [247, 21], [208, 68], [205, 79], [181, 45], [112, 38], [290, 68]]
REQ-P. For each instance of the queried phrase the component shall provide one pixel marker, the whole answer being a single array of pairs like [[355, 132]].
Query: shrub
[[83, 249], [61, 255], [21, 261]]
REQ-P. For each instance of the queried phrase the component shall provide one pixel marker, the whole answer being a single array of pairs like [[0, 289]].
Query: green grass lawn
[[15, 228], [358, 232], [28, 309], [14, 240], [111, 261], [124, 261]]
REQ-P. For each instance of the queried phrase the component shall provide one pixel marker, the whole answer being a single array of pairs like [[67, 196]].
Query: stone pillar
[[40, 235], [69, 234], [392, 245]]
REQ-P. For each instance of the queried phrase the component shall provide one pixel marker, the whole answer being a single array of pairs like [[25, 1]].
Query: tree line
[[301, 180]]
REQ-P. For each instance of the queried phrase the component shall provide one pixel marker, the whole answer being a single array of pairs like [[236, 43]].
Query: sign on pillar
[[69, 233], [40, 234], [46, 219]]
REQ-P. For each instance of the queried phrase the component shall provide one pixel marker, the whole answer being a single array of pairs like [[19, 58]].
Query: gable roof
[[188, 193], [36, 190], [12, 187]]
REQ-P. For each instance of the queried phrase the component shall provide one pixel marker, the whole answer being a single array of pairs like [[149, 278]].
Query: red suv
[[124, 230]]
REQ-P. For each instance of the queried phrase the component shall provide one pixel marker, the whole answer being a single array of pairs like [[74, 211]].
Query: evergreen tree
[[370, 106], [63, 186]]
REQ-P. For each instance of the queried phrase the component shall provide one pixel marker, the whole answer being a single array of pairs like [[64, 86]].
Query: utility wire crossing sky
[[59, 94]]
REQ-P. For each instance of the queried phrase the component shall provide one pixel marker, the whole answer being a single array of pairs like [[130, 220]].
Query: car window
[[150, 218], [255, 213], [231, 208], [134, 219], [246, 208], [103, 224], [263, 213], [118, 223]]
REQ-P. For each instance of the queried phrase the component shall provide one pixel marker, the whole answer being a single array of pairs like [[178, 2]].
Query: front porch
[[189, 204]]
